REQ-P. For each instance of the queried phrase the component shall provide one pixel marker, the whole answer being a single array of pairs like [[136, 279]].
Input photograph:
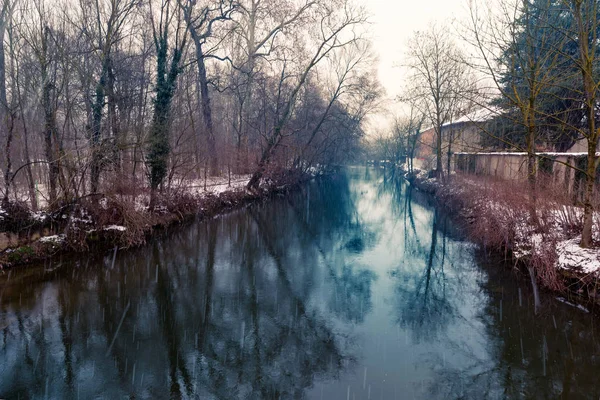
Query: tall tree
[[167, 70], [585, 15], [6, 117], [437, 72], [258, 28], [336, 33], [102, 22], [525, 71], [200, 20]]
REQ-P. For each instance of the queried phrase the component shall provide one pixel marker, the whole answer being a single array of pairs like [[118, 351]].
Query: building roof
[[480, 115]]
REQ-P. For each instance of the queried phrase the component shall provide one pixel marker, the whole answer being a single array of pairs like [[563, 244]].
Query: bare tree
[[294, 89], [200, 20], [585, 15], [6, 113], [260, 25], [437, 75], [409, 127], [518, 52], [102, 23], [349, 88], [336, 32]]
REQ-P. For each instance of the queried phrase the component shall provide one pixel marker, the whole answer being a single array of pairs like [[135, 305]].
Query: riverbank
[[497, 215], [125, 221]]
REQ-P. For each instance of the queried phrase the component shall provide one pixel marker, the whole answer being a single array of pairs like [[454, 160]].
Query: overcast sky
[[394, 21]]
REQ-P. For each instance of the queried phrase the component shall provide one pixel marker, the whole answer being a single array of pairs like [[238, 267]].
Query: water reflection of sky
[[355, 287]]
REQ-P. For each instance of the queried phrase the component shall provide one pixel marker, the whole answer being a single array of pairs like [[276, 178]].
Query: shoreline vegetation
[[496, 215], [126, 220], [116, 115]]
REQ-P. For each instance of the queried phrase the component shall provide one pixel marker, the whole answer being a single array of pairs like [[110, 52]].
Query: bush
[[16, 217], [501, 216], [178, 202], [20, 255], [92, 214]]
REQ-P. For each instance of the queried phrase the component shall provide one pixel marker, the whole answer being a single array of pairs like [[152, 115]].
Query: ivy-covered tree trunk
[[159, 148], [96, 133], [113, 116]]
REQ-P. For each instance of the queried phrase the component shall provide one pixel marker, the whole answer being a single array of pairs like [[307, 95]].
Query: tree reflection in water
[[351, 286], [217, 310]]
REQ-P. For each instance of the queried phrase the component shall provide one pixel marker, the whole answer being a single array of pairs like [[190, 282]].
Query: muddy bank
[[112, 221]]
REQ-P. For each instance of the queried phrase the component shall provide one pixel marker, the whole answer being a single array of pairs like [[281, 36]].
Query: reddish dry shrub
[[112, 210], [177, 202], [501, 215], [543, 261], [495, 210], [212, 204], [277, 177]]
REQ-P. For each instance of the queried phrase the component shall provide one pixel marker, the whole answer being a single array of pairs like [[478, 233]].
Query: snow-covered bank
[[499, 215], [125, 220]]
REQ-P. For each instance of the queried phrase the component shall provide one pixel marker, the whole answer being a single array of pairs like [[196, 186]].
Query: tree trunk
[[112, 113], [26, 155], [449, 153], [206, 108], [254, 182], [587, 59], [49, 123], [439, 168], [29, 172], [531, 163], [96, 133], [588, 206], [159, 148], [7, 153], [4, 112]]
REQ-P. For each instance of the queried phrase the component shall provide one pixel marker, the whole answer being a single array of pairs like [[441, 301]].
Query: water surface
[[355, 287]]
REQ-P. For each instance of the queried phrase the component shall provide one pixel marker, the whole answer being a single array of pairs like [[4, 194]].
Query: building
[[462, 135], [462, 139]]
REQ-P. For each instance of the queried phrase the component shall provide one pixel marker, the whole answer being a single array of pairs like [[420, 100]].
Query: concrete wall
[[513, 166]]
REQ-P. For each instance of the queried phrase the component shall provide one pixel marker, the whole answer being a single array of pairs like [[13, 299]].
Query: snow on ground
[[119, 228], [217, 185], [197, 187], [39, 216], [56, 239], [522, 153], [527, 241], [569, 255], [572, 257], [579, 306]]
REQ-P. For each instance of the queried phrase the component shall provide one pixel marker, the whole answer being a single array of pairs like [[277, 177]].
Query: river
[[354, 287]]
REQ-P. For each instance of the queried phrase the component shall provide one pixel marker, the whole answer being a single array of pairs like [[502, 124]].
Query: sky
[[393, 23]]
